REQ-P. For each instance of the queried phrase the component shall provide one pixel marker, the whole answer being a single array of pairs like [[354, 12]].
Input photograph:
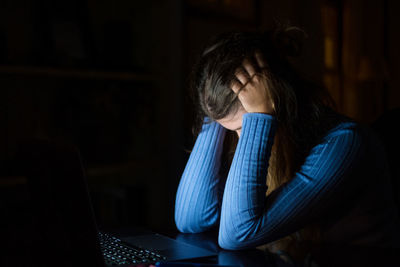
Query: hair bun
[[290, 40]]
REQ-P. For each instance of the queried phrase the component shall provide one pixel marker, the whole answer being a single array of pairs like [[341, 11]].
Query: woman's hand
[[252, 88]]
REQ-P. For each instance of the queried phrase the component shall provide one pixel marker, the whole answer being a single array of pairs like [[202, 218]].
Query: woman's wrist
[[259, 115]]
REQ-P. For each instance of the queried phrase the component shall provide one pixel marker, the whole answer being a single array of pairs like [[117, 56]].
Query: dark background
[[111, 77]]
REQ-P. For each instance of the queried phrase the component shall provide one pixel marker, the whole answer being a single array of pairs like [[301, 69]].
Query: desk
[[328, 255], [251, 257]]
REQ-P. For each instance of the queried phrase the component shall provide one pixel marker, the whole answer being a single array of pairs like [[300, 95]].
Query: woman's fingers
[[236, 86], [251, 87], [242, 76], [249, 67], [245, 73], [260, 60]]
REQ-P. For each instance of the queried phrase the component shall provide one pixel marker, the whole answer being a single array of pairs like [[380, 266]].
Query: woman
[[300, 172]]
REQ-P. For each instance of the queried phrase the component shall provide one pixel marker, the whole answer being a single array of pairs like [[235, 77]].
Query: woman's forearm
[[197, 206], [248, 217], [245, 189]]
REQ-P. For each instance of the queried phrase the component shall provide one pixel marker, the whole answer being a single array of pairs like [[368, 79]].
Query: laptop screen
[[64, 230]]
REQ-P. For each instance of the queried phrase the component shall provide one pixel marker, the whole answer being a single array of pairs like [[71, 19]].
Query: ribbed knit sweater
[[342, 185]]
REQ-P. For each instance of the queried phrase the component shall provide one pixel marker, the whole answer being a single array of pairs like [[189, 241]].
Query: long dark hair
[[303, 109]]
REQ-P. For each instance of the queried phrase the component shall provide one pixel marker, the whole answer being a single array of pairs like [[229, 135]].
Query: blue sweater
[[342, 185]]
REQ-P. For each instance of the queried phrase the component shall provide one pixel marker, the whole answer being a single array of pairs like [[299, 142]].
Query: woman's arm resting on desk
[[197, 206], [248, 217]]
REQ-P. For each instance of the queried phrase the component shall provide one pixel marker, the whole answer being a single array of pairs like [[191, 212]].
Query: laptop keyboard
[[115, 252]]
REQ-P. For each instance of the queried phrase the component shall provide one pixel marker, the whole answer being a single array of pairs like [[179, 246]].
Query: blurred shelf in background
[[76, 73], [103, 76]]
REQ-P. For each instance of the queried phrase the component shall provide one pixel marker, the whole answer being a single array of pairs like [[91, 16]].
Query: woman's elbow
[[185, 228], [232, 239], [234, 236], [231, 242], [192, 228], [193, 225], [183, 224]]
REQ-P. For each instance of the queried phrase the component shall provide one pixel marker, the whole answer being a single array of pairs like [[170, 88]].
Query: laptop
[[64, 222]]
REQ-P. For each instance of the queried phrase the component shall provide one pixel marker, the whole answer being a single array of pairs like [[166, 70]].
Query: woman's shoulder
[[343, 126], [356, 131]]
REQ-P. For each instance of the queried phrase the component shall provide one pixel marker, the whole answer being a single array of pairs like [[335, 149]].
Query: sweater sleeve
[[197, 205], [248, 217]]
